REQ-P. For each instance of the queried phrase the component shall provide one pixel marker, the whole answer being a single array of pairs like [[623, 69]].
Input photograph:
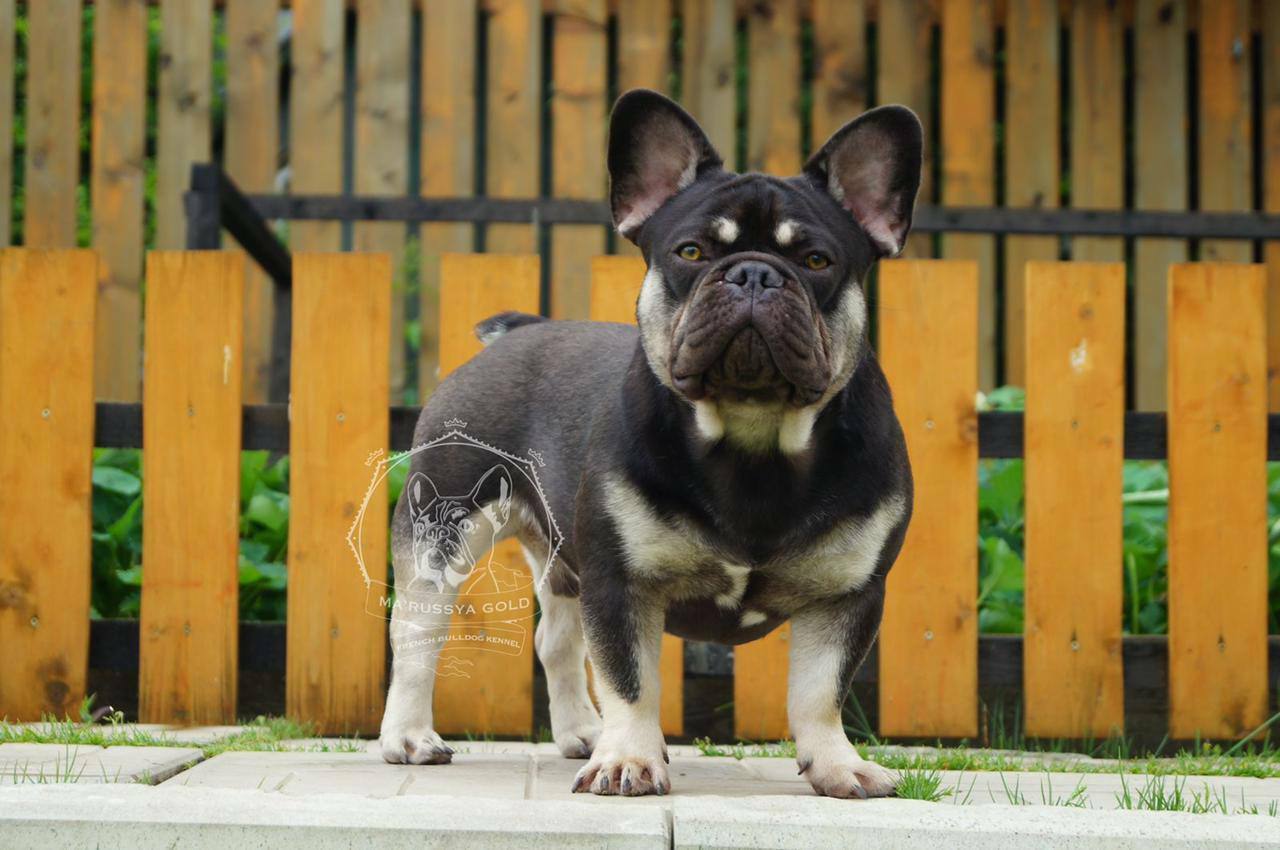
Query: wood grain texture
[[1270, 25], [1226, 130], [929, 637], [511, 144], [183, 127], [339, 415], [708, 85], [448, 155], [1031, 156], [968, 151], [902, 76], [315, 115], [578, 111], [46, 457], [1160, 180], [615, 289], [7, 46], [188, 634], [1218, 501], [252, 148], [116, 188], [840, 65], [644, 45], [1073, 679], [52, 164], [497, 695], [773, 87], [1097, 119], [382, 146]]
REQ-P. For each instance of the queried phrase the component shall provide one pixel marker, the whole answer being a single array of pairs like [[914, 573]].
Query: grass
[[922, 784]]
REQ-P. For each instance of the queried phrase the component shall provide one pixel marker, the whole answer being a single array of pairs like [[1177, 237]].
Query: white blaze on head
[[786, 232], [726, 230]]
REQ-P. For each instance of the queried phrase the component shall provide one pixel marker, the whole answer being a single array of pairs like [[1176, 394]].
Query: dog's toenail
[[860, 792], [805, 764]]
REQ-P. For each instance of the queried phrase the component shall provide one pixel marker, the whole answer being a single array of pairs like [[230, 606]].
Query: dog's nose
[[753, 273]]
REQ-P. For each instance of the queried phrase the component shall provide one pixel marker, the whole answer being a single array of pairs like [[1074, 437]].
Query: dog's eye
[[816, 261], [689, 251], [467, 526]]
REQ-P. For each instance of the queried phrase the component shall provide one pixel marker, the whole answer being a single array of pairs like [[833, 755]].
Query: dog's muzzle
[[750, 332]]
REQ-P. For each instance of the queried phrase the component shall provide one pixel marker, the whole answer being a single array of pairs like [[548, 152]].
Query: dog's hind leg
[[562, 649]]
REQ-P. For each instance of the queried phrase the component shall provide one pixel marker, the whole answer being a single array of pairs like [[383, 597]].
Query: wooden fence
[[1143, 104], [928, 340]]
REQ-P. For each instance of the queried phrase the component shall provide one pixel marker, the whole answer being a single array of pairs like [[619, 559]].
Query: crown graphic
[[455, 423]]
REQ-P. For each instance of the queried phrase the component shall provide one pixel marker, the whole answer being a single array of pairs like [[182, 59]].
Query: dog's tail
[[495, 326]]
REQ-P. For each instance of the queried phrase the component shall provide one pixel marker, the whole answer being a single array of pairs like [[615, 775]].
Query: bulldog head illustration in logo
[[451, 532]]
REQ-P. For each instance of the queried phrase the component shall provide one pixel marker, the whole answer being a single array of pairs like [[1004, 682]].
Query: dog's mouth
[[751, 344]]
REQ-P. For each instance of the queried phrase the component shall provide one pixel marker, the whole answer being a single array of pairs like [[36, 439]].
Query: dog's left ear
[[871, 166], [655, 150]]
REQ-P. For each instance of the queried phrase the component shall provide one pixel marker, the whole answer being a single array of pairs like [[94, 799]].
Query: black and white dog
[[734, 464]]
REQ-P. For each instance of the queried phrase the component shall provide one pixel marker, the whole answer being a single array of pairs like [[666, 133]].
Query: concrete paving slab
[[697, 775], [816, 823], [22, 764], [202, 818]]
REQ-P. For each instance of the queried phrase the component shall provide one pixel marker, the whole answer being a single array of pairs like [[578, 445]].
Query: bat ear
[[422, 492], [492, 494]]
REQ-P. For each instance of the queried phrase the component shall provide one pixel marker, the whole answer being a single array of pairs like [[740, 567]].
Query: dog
[[732, 463]]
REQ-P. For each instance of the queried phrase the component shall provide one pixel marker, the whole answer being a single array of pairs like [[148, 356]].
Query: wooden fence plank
[[968, 151], [708, 84], [511, 148], [7, 60], [46, 454], [1097, 118], [577, 169], [497, 697], [1160, 180], [448, 155], [183, 122], [773, 146], [252, 147], [1218, 501], [1031, 156], [53, 124], [1074, 679], [336, 652], [191, 491], [116, 189], [615, 289], [315, 115], [840, 65], [1226, 131], [1270, 24], [929, 638], [644, 57], [903, 76], [382, 146]]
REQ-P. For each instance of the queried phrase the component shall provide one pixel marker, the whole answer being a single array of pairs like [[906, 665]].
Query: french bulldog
[[730, 464]]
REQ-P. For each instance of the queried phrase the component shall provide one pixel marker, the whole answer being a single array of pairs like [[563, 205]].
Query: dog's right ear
[[422, 492], [655, 150]]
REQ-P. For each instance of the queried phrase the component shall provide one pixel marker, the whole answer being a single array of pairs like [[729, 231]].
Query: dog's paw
[[843, 773], [575, 731], [629, 772], [419, 746]]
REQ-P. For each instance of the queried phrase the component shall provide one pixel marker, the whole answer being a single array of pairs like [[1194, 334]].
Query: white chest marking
[[751, 618], [737, 576]]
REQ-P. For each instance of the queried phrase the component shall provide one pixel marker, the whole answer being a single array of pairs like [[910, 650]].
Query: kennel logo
[[461, 591]]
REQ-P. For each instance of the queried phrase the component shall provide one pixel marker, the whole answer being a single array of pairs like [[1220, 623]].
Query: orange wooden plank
[[1097, 118], [53, 124], [315, 115], [1270, 24], [46, 455], [497, 697], [339, 415], [1218, 501], [1160, 180], [511, 146], [252, 143], [929, 637], [448, 155], [1031, 155], [577, 119], [183, 123], [7, 43], [773, 93], [116, 188], [903, 76], [1226, 130], [968, 142], [1073, 674], [615, 289], [191, 491], [840, 65], [382, 146], [708, 85]]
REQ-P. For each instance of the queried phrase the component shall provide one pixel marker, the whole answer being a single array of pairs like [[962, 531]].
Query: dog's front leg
[[828, 643]]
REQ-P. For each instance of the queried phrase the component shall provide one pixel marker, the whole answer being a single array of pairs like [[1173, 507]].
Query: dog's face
[[451, 532], [754, 294]]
